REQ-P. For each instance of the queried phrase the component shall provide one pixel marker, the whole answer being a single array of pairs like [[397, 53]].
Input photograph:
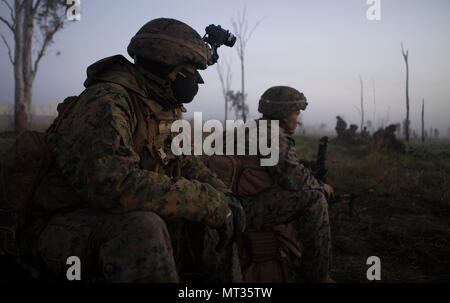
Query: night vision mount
[[216, 36]]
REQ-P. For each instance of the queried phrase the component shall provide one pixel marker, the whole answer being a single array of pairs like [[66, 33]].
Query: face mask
[[185, 85]]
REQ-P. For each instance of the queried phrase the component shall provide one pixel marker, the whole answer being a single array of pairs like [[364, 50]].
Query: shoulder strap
[[145, 131]]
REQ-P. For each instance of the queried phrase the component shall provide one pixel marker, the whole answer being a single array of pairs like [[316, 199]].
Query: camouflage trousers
[[134, 247], [306, 214]]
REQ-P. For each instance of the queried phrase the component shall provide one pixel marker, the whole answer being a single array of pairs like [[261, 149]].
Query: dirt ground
[[400, 214], [401, 210]]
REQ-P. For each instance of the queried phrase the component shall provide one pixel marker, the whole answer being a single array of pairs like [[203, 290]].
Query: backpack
[[269, 255], [243, 175], [23, 168], [27, 166]]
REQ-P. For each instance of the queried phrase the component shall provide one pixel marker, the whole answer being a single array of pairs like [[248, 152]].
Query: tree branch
[[9, 25], [9, 50], [405, 55], [34, 9], [10, 10], [47, 41], [229, 73], [253, 29]]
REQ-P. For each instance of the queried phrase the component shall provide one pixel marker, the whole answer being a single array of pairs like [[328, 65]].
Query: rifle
[[321, 174]]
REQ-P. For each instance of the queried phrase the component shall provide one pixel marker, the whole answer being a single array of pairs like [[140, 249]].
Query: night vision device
[[216, 36]]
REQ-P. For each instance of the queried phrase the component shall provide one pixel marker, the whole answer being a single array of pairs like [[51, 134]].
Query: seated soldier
[[341, 126], [115, 195], [288, 233]]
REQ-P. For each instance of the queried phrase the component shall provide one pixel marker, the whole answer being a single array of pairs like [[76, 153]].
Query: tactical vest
[[153, 137], [30, 165], [34, 187]]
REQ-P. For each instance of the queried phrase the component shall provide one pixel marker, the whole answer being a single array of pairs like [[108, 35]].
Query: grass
[[405, 221]]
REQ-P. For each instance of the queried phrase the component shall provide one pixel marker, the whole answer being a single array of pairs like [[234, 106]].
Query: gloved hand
[[234, 226]]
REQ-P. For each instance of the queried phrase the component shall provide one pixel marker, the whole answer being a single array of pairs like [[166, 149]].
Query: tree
[[436, 133], [374, 101], [238, 103], [423, 123], [240, 27], [362, 103], [26, 15], [388, 115], [369, 125], [361, 110], [225, 81], [405, 57], [406, 125]]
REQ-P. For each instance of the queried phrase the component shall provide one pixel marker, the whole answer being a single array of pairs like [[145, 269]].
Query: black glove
[[234, 226]]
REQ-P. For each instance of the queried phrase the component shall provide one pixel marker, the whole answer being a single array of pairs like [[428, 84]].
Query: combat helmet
[[169, 42], [279, 102]]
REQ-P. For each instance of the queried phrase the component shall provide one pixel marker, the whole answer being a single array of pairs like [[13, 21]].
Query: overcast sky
[[319, 47]]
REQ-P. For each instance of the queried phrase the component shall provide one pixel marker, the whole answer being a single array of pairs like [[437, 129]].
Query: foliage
[[405, 220], [238, 103]]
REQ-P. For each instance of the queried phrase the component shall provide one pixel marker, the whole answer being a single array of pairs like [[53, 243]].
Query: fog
[[319, 47]]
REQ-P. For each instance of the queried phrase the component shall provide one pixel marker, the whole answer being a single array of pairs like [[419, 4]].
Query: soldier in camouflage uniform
[[298, 198], [341, 126], [385, 140], [350, 136], [119, 198]]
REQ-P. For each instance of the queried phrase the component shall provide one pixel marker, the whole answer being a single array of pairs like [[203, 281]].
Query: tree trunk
[[374, 104], [226, 109], [225, 82], [244, 115], [405, 57], [20, 116], [27, 58], [23, 69], [407, 101], [423, 123], [362, 104]]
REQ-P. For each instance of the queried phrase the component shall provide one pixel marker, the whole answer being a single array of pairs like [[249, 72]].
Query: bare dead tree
[[388, 115], [374, 100], [405, 57], [48, 17], [240, 27], [362, 103], [240, 108], [225, 77], [423, 123]]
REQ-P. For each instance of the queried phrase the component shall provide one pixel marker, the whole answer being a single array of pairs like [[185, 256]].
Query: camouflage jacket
[[289, 174], [94, 147]]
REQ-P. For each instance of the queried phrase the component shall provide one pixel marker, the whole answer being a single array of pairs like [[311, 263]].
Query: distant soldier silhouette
[[341, 126], [385, 139]]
